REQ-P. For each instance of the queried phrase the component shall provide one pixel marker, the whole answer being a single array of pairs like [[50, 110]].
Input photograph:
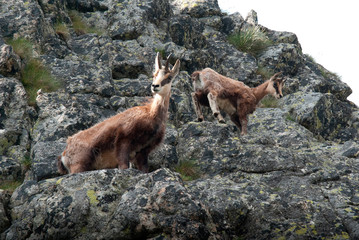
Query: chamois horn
[[167, 62]]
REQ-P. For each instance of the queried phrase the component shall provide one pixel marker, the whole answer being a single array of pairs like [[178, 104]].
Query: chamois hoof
[[221, 121], [200, 119]]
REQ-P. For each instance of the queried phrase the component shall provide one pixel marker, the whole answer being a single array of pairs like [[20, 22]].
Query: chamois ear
[[158, 59], [176, 67], [275, 76]]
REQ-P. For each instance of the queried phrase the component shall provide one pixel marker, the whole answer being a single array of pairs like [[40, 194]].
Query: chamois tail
[[60, 166]]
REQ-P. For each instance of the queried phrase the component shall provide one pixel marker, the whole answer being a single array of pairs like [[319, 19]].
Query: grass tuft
[[10, 185], [189, 170], [26, 162], [34, 75], [62, 30], [265, 72], [251, 40], [80, 27], [269, 102], [22, 47]]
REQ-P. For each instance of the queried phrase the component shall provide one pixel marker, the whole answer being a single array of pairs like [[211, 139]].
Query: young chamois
[[126, 137], [218, 92]]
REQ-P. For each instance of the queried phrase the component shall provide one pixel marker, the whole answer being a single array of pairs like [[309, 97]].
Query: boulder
[[30, 22], [131, 22], [315, 78], [10, 169], [197, 8], [79, 76], [4, 201], [109, 204], [283, 57], [10, 62], [293, 176], [322, 114]]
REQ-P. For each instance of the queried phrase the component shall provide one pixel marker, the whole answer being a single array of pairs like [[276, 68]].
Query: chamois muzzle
[[155, 87]]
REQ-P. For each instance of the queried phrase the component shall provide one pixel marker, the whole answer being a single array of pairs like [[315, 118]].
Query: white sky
[[327, 30]]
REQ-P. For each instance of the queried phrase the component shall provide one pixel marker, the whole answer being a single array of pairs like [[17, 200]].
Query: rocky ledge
[[294, 176]]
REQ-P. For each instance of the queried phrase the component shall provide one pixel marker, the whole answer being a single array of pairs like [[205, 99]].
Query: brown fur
[[127, 136], [218, 92]]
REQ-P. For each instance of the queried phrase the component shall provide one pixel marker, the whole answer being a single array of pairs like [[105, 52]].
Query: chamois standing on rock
[[218, 92], [126, 137]]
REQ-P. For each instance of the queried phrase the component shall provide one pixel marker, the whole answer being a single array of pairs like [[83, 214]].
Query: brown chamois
[[218, 92], [126, 137]]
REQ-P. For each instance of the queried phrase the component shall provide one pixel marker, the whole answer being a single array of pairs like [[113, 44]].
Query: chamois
[[126, 137], [218, 92]]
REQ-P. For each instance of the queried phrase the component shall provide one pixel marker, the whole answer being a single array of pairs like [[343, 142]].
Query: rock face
[[294, 176]]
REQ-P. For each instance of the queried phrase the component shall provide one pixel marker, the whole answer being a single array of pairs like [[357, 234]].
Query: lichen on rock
[[293, 176]]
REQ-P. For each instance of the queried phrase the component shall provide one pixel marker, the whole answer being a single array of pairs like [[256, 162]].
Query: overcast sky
[[327, 30]]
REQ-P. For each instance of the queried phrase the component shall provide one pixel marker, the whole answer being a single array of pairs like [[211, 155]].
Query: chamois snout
[[155, 88]]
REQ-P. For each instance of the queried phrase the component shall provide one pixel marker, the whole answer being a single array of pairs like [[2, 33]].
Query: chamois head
[[162, 77], [275, 85]]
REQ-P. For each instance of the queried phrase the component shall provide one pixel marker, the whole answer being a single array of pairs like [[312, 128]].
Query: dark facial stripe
[[167, 80]]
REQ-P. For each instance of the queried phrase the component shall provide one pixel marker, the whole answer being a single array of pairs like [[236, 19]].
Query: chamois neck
[[260, 91], [159, 105]]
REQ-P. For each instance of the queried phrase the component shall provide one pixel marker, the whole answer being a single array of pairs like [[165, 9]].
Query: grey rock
[[110, 204], [130, 23], [197, 8], [78, 76], [284, 57], [294, 176], [186, 31], [322, 114], [15, 124], [10, 169], [30, 22], [232, 23], [4, 201], [315, 78], [10, 62], [225, 204], [252, 17]]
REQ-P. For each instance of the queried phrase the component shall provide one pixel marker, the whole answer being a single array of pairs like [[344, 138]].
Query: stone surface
[[294, 176]]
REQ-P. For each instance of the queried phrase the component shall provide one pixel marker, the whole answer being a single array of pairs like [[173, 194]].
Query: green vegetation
[[34, 75], [290, 117], [325, 73], [189, 170], [266, 73], [162, 52], [62, 30], [26, 162], [22, 47], [81, 27], [251, 40], [269, 102], [9, 185]]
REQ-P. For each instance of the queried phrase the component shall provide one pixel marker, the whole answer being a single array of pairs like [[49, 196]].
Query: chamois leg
[[244, 121], [142, 160], [123, 156], [235, 120], [197, 107], [214, 107]]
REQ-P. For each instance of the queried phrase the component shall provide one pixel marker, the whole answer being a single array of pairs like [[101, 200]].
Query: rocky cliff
[[294, 176]]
